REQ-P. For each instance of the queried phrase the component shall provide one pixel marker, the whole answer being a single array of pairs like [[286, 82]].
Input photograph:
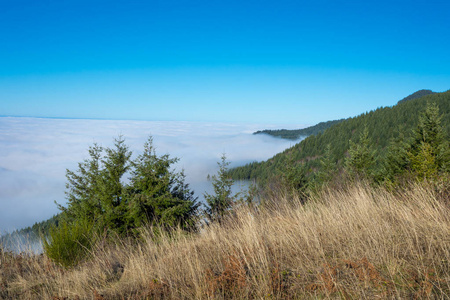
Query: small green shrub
[[69, 243]]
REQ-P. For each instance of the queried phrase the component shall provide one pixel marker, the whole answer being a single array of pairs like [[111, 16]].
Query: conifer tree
[[113, 197], [222, 199], [429, 150], [159, 195], [294, 176], [328, 166], [83, 188], [397, 160], [428, 130], [425, 155], [361, 157]]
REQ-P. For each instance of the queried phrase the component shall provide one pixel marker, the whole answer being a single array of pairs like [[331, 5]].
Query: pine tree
[[361, 157], [222, 199], [113, 197], [95, 192], [428, 130], [83, 188], [294, 177], [160, 196], [397, 160], [429, 150], [425, 155], [327, 167]]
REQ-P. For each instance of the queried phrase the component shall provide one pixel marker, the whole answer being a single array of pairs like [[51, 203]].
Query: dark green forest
[[384, 126], [295, 134]]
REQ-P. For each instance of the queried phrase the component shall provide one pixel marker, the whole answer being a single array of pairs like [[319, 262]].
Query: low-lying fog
[[35, 153]]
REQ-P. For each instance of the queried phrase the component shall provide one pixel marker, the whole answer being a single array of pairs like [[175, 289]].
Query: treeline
[[295, 134], [382, 127], [28, 235]]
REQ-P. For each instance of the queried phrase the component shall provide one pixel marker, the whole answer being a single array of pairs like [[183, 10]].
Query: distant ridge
[[418, 94], [294, 134], [297, 133]]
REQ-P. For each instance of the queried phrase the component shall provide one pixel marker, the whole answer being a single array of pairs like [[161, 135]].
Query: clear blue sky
[[286, 62]]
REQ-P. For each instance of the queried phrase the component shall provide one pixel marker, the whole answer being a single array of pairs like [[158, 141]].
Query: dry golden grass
[[355, 243]]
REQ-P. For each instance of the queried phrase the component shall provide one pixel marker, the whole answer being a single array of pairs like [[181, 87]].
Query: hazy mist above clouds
[[35, 153]]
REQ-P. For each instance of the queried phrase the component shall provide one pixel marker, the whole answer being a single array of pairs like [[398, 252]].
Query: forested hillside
[[297, 133], [383, 125], [293, 134], [28, 234]]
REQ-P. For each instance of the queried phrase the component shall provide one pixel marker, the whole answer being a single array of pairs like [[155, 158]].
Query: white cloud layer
[[35, 153]]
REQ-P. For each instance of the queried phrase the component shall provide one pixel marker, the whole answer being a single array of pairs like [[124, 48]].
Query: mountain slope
[[294, 134], [383, 124]]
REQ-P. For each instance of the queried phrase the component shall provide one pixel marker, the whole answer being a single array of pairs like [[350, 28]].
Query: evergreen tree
[[397, 160], [222, 199], [294, 176], [428, 130], [361, 157], [113, 197], [96, 192], [159, 195], [327, 167], [425, 155], [83, 187], [429, 149]]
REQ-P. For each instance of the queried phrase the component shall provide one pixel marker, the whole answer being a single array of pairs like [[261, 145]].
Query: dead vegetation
[[355, 243]]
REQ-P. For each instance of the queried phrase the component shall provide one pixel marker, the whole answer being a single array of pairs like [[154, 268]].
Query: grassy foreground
[[355, 243]]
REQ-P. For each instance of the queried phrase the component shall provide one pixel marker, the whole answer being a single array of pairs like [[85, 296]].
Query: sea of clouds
[[35, 153]]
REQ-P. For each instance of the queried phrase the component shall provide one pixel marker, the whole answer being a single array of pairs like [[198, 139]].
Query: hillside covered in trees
[[383, 127], [293, 134]]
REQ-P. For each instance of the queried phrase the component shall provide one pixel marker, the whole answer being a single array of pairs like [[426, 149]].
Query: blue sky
[[275, 62]]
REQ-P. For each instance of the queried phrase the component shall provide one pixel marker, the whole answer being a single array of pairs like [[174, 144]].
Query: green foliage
[[429, 129], [320, 127], [69, 243], [327, 169], [97, 195], [425, 155], [361, 157], [222, 199], [297, 133], [159, 196], [294, 177], [397, 161], [383, 140], [423, 163], [96, 191], [428, 151]]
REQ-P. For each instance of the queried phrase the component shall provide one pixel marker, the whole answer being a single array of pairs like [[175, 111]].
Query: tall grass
[[352, 243]]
